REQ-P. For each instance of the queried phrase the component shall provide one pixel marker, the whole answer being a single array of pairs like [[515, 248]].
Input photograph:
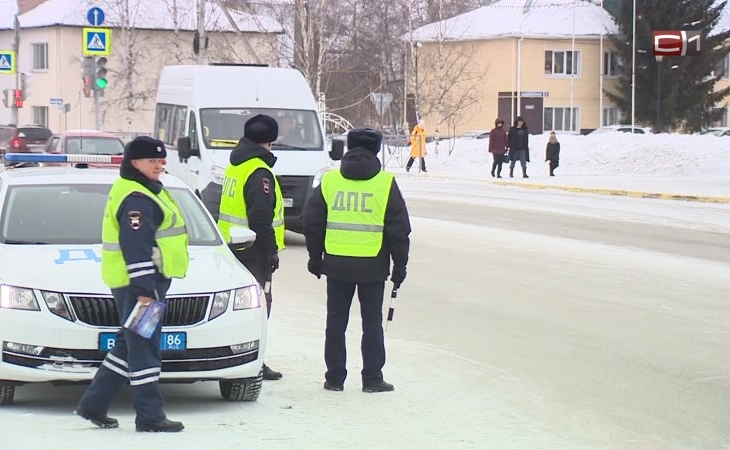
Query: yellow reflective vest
[[355, 213], [233, 209], [171, 237]]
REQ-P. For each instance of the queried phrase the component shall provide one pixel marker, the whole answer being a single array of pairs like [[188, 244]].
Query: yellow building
[[145, 36], [554, 53]]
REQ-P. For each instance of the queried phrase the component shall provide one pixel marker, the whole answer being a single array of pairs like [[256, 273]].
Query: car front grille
[[102, 312]]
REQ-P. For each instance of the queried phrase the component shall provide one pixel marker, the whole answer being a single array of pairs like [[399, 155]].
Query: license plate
[[288, 202], [168, 341]]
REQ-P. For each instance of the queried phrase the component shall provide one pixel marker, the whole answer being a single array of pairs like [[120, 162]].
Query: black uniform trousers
[[134, 359], [372, 346], [260, 268]]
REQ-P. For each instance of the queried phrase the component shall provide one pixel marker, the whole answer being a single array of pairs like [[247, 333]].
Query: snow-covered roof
[[7, 17], [145, 14], [523, 18]]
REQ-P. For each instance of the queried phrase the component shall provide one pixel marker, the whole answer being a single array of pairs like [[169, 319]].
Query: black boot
[[271, 374], [379, 387], [511, 172], [333, 387], [100, 420], [163, 426]]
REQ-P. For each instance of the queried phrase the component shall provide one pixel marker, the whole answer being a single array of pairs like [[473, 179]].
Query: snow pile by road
[[603, 154]]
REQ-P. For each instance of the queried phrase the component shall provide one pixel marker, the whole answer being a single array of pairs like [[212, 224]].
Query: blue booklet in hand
[[144, 319]]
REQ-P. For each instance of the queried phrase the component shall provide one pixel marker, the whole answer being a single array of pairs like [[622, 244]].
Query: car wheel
[[7, 392], [246, 390]]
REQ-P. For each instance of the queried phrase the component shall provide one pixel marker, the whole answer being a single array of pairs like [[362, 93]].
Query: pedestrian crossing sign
[[97, 41], [7, 62]]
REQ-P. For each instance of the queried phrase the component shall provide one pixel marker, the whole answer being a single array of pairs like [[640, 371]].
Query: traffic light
[[87, 86], [18, 96], [101, 82], [87, 75]]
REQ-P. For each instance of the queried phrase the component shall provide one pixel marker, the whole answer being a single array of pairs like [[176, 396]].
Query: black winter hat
[[143, 147], [367, 138], [261, 129]]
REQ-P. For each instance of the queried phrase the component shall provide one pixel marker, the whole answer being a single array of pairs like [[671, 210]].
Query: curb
[[620, 192]]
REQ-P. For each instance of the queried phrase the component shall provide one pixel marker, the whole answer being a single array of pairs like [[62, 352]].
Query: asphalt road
[[562, 322]]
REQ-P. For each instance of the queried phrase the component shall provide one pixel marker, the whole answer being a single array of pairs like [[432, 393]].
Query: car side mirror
[[184, 149], [241, 237], [338, 150]]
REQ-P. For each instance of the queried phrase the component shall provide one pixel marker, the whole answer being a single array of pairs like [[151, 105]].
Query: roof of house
[[523, 18], [144, 14], [7, 18]]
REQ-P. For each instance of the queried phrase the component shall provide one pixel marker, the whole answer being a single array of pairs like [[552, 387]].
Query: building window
[[721, 117], [611, 64], [561, 119], [611, 116], [722, 69], [40, 56], [562, 63], [40, 115]]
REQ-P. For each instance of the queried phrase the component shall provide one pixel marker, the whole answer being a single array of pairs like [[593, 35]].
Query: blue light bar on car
[[16, 158]]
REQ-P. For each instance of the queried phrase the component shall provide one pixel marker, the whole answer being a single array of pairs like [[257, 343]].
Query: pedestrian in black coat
[[552, 152], [518, 138]]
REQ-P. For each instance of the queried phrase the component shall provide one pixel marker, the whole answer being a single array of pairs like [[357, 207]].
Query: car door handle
[[195, 171]]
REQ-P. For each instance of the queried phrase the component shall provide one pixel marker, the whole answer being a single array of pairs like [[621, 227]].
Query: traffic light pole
[[97, 109], [16, 46]]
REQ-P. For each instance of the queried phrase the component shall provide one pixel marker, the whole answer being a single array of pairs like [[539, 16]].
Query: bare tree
[[445, 79]]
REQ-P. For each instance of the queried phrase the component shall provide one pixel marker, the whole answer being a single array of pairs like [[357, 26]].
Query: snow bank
[[669, 155]]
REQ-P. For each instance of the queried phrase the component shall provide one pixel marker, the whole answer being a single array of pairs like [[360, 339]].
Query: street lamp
[[658, 121]]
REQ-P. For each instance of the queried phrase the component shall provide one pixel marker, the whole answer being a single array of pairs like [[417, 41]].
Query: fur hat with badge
[[366, 138], [261, 129], [144, 147]]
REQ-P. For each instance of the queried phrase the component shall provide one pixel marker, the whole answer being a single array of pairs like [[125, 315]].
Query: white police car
[[57, 317]]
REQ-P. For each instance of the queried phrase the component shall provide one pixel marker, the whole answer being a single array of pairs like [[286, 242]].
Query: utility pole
[[16, 46], [201, 32]]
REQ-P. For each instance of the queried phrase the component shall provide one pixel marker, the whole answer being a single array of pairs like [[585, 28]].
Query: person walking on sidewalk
[[252, 198], [497, 146], [142, 227], [518, 139], [354, 223], [552, 152], [418, 146]]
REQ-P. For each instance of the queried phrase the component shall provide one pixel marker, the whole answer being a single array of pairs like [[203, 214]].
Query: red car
[[85, 142], [29, 138]]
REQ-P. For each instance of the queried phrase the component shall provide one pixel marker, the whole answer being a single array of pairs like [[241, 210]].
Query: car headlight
[[216, 174], [220, 304], [12, 297], [318, 176], [56, 304], [248, 297]]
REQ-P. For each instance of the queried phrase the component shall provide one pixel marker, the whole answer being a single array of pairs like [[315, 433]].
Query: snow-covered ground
[[666, 163]]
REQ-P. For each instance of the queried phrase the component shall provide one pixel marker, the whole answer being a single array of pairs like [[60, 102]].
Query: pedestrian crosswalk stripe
[[4, 63], [96, 43]]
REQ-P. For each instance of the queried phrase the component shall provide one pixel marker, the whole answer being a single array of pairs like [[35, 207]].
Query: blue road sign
[[97, 41], [95, 16], [7, 62], [56, 101]]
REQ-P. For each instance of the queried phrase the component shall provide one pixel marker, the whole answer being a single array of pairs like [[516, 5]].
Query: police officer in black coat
[[367, 274], [134, 358], [261, 259]]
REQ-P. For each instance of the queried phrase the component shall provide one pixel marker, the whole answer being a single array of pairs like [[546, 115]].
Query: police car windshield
[[298, 129], [72, 214]]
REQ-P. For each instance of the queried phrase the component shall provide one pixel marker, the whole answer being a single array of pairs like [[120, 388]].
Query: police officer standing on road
[[251, 198], [358, 220], [144, 246]]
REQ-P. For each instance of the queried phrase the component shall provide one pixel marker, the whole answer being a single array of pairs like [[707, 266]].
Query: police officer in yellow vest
[[144, 246], [354, 223], [251, 198]]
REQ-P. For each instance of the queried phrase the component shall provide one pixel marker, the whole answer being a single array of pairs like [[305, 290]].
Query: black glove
[[273, 261], [314, 266], [398, 275]]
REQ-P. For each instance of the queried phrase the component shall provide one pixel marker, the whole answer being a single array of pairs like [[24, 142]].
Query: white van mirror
[[241, 237], [183, 148]]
